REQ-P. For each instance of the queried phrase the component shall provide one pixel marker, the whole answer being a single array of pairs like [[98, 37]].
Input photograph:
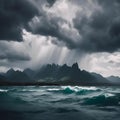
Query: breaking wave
[[103, 100], [88, 95], [77, 90]]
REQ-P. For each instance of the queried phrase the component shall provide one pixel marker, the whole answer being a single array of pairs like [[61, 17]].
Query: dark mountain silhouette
[[17, 76], [67, 75], [100, 78], [30, 73], [114, 79], [47, 71], [3, 79], [52, 74]]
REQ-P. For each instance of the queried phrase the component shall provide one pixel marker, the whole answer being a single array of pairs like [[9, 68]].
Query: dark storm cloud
[[101, 31], [97, 33], [14, 14], [52, 26]]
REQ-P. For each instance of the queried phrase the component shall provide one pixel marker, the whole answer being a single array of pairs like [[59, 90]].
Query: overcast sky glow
[[37, 32]]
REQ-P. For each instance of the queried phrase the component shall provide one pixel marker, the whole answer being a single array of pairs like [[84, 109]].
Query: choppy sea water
[[59, 103]]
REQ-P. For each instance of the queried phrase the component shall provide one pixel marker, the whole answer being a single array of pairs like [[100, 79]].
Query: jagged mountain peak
[[75, 66]]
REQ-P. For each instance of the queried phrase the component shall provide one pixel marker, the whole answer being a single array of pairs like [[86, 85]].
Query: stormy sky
[[37, 32]]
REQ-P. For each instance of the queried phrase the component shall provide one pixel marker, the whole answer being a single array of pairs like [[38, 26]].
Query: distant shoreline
[[55, 84]]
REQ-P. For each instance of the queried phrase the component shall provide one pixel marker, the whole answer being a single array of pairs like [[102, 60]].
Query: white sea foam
[[53, 89], [32, 90], [109, 95], [2, 90], [77, 88]]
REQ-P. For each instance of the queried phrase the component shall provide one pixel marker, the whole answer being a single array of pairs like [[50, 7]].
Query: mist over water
[[59, 103]]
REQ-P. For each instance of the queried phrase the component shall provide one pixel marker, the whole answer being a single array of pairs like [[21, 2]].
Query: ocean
[[59, 103]]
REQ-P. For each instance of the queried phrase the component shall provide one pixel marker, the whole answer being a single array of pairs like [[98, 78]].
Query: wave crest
[[76, 89], [103, 100]]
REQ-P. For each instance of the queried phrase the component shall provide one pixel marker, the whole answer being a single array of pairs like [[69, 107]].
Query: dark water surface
[[59, 103]]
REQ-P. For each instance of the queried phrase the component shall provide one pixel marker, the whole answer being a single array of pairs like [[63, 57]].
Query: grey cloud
[[11, 52], [14, 57], [51, 26]]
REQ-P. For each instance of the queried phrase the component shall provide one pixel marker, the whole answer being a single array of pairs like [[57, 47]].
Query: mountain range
[[114, 79], [52, 74]]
